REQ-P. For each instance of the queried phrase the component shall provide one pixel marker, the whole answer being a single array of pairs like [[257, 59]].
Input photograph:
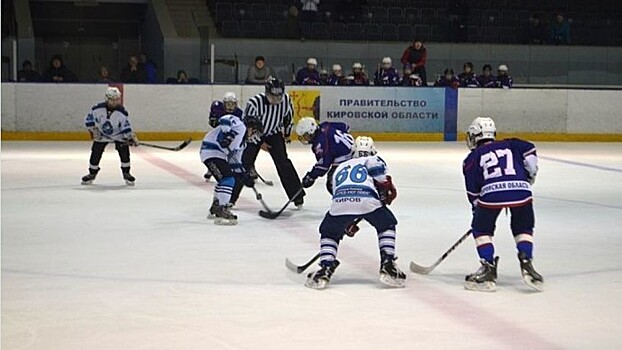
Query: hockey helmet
[[113, 93], [481, 129], [306, 129], [275, 88], [363, 147], [230, 101], [254, 125], [386, 62]]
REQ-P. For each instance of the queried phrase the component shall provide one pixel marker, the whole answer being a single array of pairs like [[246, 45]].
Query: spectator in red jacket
[[416, 55]]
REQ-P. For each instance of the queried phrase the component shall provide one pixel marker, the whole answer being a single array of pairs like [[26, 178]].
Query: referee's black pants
[[284, 167]]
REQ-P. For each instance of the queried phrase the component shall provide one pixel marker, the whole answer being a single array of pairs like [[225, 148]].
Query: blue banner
[[392, 109]]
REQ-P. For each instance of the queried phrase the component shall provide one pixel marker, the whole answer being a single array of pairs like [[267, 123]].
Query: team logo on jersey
[[107, 128]]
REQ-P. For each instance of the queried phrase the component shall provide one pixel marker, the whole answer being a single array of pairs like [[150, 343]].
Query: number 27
[[490, 163]]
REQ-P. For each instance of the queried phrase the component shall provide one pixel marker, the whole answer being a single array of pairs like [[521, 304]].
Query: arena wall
[[166, 112]]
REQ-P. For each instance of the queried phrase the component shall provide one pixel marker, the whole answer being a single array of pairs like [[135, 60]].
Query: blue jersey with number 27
[[495, 174], [354, 192]]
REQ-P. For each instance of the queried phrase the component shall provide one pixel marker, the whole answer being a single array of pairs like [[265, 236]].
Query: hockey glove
[[224, 139], [247, 179], [352, 229], [386, 190], [95, 134], [531, 179], [132, 140], [308, 181]]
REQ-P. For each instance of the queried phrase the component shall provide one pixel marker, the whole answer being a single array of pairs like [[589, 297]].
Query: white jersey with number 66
[[354, 192]]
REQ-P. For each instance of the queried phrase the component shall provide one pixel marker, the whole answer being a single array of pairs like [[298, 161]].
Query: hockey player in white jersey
[[108, 122], [221, 152], [361, 189]]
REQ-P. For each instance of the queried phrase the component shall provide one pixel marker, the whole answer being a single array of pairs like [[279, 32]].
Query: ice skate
[[224, 216], [90, 177], [530, 276], [212, 210], [484, 279], [390, 273], [320, 278], [129, 179]]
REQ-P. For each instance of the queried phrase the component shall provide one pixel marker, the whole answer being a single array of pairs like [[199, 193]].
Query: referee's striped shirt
[[275, 118]]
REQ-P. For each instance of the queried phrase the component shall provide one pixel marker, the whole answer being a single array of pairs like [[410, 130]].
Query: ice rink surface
[[107, 266]]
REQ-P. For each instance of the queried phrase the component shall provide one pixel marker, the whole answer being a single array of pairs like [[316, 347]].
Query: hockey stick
[[268, 214], [175, 149], [260, 198], [267, 182], [300, 269], [426, 270]]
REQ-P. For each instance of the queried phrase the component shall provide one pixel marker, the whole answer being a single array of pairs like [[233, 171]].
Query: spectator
[[386, 75], [27, 74], [58, 72], [409, 78], [337, 77], [308, 75], [133, 72], [259, 72], [358, 77], [182, 77], [103, 76], [309, 10], [503, 81], [448, 79], [560, 32], [486, 79], [293, 25], [467, 77], [151, 70], [416, 55], [536, 32]]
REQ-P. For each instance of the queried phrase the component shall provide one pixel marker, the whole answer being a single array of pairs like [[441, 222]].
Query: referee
[[274, 109]]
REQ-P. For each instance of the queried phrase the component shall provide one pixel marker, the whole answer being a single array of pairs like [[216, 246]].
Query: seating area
[[597, 22]]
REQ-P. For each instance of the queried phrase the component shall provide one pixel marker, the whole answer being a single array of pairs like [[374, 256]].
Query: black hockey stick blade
[[300, 269], [267, 182], [175, 149], [273, 215], [423, 270]]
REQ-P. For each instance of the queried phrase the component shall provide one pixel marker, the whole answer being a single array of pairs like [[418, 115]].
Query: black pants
[[97, 150], [422, 74], [284, 167]]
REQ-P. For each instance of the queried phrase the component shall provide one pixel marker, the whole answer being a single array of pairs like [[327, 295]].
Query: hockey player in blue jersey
[[499, 174], [386, 75], [362, 189], [228, 105], [109, 122], [221, 152], [330, 142], [503, 80]]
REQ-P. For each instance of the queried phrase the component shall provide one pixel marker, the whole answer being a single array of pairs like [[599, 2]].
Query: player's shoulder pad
[[99, 105], [122, 110]]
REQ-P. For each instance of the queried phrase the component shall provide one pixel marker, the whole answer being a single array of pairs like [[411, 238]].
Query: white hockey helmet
[[363, 147], [229, 97], [230, 101], [482, 128], [312, 61], [502, 68], [306, 129], [386, 62], [112, 93], [357, 65], [336, 67]]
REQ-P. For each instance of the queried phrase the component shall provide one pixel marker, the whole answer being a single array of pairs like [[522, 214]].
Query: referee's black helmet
[[275, 87]]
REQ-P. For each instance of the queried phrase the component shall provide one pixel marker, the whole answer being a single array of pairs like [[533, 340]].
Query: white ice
[[107, 266]]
